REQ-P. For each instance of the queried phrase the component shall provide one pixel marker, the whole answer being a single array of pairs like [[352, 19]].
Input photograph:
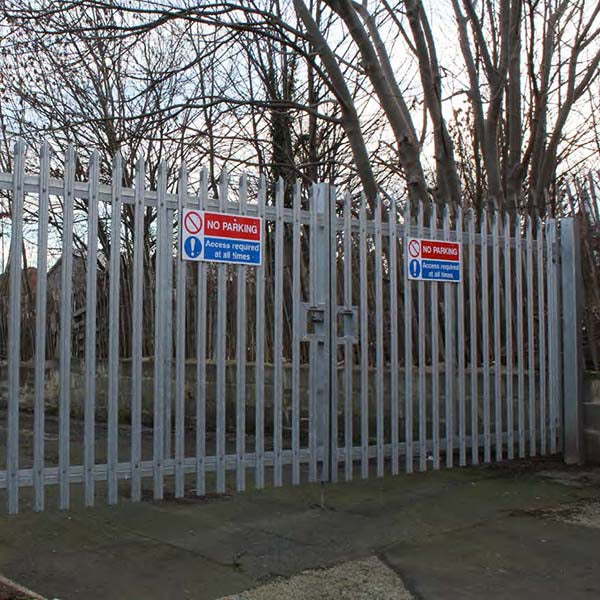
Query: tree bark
[[447, 172], [408, 148]]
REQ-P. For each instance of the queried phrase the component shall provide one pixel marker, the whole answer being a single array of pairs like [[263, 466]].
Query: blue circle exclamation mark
[[193, 247], [415, 267]]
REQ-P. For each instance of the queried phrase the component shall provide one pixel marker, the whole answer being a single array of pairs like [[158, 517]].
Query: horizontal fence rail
[[133, 373]]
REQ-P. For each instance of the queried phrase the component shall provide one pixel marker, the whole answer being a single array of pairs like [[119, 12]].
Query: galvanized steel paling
[[294, 314]]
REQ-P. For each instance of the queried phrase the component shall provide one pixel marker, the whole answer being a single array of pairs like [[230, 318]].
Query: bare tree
[[494, 43], [526, 65]]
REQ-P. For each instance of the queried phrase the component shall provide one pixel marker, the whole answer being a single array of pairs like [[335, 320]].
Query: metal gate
[[131, 372]]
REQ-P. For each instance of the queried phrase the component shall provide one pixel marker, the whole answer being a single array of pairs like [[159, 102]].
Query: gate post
[[322, 358], [572, 287]]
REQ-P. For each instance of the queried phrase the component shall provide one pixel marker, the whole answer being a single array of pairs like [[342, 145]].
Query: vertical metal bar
[[364, 341], [559, 344], [508, 313], [460, 309], [449, 356], [393, 271], [40, 328], [168, 288], [296, 302], [520, 345], [137, 325], [260, 349], [113, 330], [66, 299], [497, 339], [323, 375], [333, 333], [379, 379], [473, 314], [160, 342], [240, 353], [408, 386], [278, 335], [14, 328], [180, 321], [312, 407], [572, 304], [530, 337], [435, 356], [553, 330], [421, 335], [542, 335], [485, 338], [201, 357], [348, 350], [221, 350]]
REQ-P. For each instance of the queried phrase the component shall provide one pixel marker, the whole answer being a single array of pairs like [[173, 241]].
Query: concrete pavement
[[494, 532]]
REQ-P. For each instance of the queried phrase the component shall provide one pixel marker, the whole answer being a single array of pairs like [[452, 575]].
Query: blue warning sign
[[440, 270], [192, 246], [415, 268]]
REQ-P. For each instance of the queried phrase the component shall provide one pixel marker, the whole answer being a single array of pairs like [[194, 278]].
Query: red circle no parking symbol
[[193, 222], [414, 248]]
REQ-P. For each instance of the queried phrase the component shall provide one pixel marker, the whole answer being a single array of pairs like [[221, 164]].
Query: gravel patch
[[586, 514], [367, 579]]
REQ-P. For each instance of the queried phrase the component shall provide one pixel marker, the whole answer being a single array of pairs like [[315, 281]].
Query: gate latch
[[312, 322], [347, 317]]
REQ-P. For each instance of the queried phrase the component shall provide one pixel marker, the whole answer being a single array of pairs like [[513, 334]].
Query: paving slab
[[512, 557]]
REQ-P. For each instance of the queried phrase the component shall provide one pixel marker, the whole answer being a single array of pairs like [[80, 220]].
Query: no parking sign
[[220, 237], [432, 260]]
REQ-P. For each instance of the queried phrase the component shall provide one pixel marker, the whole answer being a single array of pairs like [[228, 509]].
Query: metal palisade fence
[[130, 372]]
